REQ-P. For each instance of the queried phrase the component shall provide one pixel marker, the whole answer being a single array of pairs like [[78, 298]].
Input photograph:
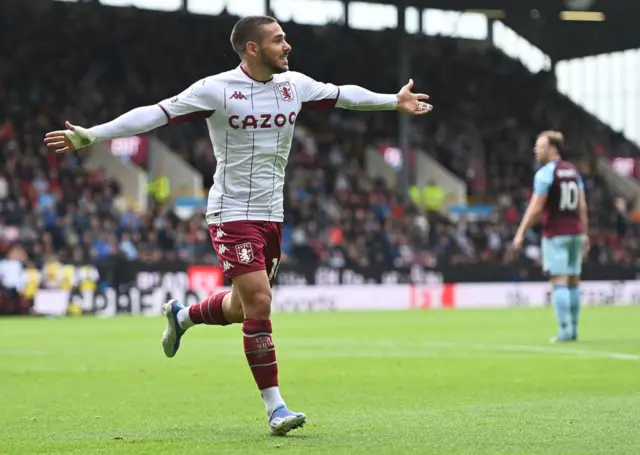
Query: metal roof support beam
[[346, 12], [404, 70]]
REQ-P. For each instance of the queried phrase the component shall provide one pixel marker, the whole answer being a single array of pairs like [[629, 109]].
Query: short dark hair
[[555, 138], [248, 29]]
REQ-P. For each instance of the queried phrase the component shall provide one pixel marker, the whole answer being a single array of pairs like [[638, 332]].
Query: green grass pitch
[[441, 382]]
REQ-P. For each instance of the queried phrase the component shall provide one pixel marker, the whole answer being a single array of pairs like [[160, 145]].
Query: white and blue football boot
[[173, 332], [562, 338], [282, 421]]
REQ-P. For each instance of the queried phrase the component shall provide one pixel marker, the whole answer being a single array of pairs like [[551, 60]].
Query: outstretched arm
[[360, 99], [198, 101], [137, 121], [357, 98], [316, 94]]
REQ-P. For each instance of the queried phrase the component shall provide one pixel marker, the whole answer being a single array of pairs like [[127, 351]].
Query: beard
[[273, 64]]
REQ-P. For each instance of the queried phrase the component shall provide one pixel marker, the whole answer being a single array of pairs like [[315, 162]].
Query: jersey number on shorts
[[568, 195], [274, 269]]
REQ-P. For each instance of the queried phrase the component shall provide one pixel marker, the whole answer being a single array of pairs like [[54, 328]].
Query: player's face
[[274, 49], [541, 149]]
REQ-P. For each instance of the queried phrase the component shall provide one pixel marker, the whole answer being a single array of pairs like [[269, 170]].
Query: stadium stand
[[337, 214]]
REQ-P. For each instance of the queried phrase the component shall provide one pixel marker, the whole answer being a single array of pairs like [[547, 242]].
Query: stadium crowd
[[483, 129]]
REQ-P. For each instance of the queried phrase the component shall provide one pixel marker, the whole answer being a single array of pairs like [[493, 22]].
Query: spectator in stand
[[336, 214], [622, 218]]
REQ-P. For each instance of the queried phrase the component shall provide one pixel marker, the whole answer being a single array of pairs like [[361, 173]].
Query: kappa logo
[[244, 252], [237, 95], [285, 90]]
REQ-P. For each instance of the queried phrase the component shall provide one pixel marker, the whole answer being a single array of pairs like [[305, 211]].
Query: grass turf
[[443, 382]]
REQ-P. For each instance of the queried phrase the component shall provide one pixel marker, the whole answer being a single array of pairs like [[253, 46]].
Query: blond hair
[[555, 138]]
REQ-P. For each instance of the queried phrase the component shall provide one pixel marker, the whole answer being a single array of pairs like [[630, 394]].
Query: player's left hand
[[518, 240], [412, 103]]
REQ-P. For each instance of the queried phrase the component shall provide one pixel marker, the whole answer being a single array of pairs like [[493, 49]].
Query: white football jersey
[[251, 127]]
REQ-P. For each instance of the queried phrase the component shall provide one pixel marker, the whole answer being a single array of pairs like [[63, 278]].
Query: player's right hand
[[586, 246], [73, 138], [518, 240]]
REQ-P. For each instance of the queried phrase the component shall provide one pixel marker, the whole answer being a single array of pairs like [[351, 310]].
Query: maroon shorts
[[247, 246]]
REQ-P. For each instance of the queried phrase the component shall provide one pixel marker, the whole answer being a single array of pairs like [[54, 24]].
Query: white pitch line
[[381, 347], [577, 352], [547, 350]]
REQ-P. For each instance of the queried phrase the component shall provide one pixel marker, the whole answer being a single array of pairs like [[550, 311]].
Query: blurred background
[[371, 198]]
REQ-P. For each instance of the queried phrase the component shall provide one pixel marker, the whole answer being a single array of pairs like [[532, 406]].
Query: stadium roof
[[539, 22]]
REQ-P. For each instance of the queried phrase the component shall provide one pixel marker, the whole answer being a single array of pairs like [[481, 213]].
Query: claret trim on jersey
[[185, 118]]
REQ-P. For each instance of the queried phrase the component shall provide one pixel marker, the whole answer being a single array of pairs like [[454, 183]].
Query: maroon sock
[[260, 352], [209, 311]]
